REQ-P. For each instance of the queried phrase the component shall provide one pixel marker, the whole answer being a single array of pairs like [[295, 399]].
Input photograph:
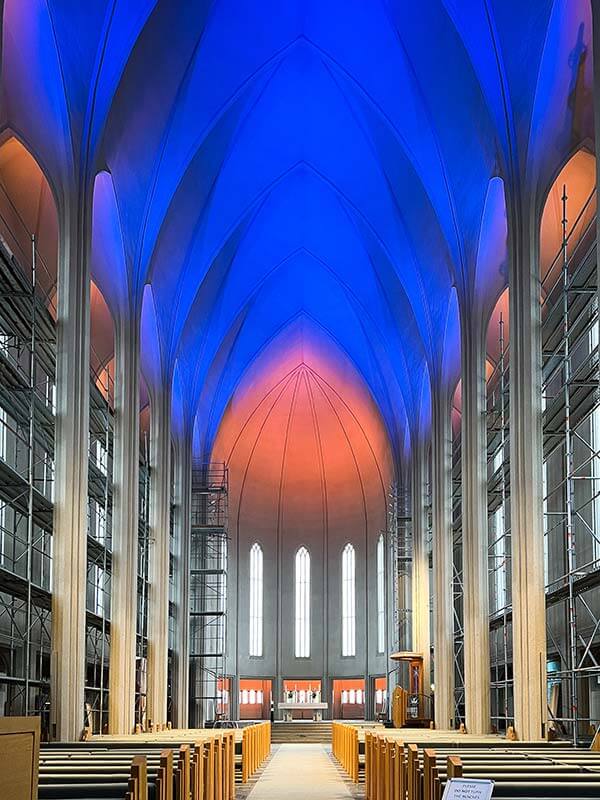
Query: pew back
[[19, 757]]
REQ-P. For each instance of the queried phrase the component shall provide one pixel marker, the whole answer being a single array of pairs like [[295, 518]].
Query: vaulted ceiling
[[346, 164], [308, 455]]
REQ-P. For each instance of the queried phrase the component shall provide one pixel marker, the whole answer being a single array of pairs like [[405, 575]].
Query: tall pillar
[[69, 538], [443, 599], [121, 702], [421, 639], [160, 519], [183, 510], [527, 530], [474, 525]]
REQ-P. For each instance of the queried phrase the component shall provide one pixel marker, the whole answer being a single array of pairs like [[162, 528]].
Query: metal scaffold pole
[[504, 515], [208, 622], [31, 475], [568, 451], [499, 544]]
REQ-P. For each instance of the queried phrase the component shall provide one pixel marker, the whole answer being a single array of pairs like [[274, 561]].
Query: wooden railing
[[344, 746], [256, 746]]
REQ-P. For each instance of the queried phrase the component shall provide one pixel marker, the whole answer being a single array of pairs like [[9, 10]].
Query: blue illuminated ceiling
[[346, 163]]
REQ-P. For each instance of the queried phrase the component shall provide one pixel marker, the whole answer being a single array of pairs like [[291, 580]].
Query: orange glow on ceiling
[[27, 207], [579, 177], [307, 450]]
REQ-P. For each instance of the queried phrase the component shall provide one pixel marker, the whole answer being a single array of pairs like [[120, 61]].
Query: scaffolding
[[208, 592], [428, 680], [99, 550], [27, 408], [401, 548], [499, 545], [27, 428], [143, 585], [457, 581], [173, 566], [571, 439]]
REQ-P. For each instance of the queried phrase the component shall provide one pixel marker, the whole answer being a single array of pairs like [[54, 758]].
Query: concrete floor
[[297, 771]]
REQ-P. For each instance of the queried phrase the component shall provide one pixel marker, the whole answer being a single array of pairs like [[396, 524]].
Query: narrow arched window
[[348, 602], [381, 594], [302, 648], [256, 600]]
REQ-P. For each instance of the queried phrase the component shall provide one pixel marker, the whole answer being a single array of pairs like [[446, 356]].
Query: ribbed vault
[[353, 164], [308, 453]]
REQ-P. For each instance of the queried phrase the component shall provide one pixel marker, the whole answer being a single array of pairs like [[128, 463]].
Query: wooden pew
[[164, 778], [350, 743], [256, 746], [118, 773], [131, 786], [138, 782], [19, 757], [516, 775], [398, 769], [163, 765], [243, 750], [344, 746]]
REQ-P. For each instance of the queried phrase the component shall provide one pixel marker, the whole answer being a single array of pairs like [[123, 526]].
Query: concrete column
[[160, 519], [183, 501], [421, 640], [277, 693], [443, 599], [474, 525], [69, 538], [527, 530], [121, 704]]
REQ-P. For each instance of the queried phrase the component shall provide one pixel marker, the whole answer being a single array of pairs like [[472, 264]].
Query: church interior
[[299, 399]]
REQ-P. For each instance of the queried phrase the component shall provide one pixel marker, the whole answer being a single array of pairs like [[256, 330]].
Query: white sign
[[468, 789]]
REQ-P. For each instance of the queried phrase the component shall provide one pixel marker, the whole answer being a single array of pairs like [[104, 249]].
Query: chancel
[[299, 399]]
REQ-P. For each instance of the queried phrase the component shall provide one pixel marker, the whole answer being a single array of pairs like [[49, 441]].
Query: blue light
[[345, 167]]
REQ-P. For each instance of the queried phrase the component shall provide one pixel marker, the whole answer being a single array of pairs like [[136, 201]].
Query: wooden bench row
[[396, 770], [535, 775], [204, 770], [252, 742], [161, 765]]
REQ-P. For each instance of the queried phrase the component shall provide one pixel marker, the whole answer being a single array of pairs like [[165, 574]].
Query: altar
[[288, 708]]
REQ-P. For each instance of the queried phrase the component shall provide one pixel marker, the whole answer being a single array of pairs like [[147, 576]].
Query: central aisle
[[299, 771]]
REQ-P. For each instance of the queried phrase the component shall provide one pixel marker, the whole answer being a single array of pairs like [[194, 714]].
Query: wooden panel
[[19, 757]]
